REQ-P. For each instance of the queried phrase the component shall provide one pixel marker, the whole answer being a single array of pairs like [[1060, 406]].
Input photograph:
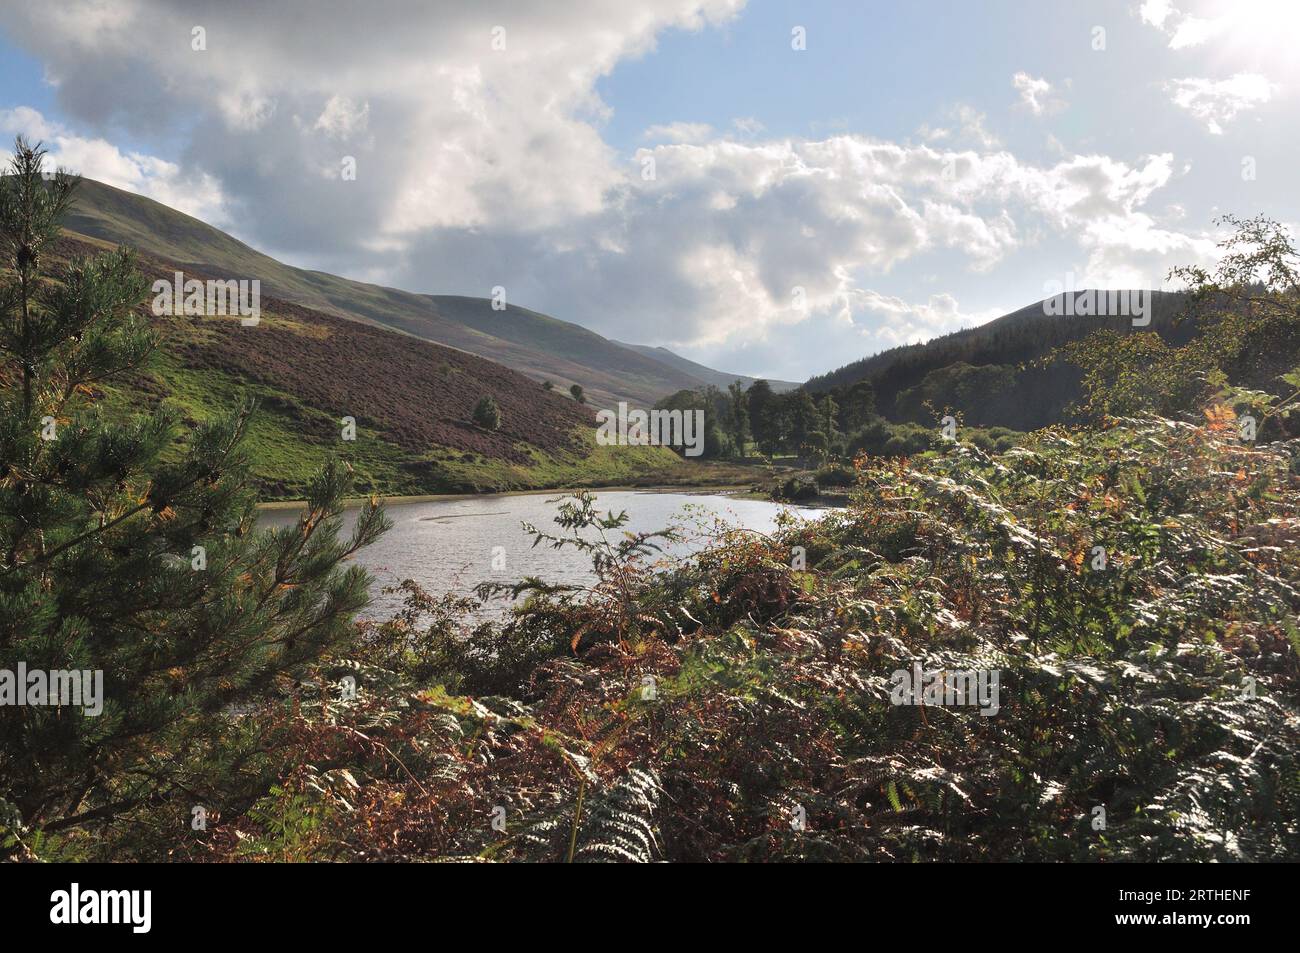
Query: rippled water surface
[[448, 545]]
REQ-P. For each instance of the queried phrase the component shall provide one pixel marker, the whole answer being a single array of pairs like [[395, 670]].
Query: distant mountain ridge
[[540, 346], [719, 379]]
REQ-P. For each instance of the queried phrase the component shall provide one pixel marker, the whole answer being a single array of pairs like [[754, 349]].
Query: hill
[[719, 379], [535, 344], [988, 372], [564, 353], [412, 402]]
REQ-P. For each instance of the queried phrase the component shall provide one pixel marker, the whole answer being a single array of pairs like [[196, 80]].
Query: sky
[[770, 188]]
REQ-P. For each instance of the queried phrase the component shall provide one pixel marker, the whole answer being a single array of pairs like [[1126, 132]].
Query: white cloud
[[969, 128], [446, 130], [1247, 33], [713, 249], [195, 194], [902, 322], [1156, 12], [343, 118], [1036, 94], [477, 168], [1216, 102], [679, 132], [1193, 31], [1183, 29]]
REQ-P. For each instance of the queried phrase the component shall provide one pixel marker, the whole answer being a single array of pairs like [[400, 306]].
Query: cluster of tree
[[739, 421], [716, 408], [843, 421], [807, 425]]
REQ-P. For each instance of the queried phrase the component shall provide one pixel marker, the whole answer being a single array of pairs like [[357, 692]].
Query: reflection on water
[[448, 545]]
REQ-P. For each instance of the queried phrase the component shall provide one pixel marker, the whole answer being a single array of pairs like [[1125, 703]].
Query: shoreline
[[354, 502]]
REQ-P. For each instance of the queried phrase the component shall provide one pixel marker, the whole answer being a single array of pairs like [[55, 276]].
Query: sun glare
[[1257, 35]]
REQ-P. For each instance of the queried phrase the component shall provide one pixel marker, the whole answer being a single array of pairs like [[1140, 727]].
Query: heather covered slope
[[412, 402], [535, 344]]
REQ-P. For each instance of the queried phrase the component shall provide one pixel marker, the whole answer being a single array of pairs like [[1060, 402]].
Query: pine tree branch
[[138, 508]]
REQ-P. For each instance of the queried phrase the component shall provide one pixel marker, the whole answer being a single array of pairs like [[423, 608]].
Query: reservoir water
[[452, 545]]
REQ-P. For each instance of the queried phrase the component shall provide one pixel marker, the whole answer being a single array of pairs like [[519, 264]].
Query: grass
[[284, 457], [411, 401]]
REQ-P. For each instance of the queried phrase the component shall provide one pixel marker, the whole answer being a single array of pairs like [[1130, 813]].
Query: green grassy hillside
[[534, 344], [412, 402]]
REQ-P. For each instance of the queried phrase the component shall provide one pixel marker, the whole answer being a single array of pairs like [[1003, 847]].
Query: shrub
[[880, 438], [798, 489], [836, 474], [487, 415], [691, 715]]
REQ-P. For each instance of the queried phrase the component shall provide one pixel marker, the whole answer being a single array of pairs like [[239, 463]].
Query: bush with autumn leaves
[[1135, 581], [735, 708]]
